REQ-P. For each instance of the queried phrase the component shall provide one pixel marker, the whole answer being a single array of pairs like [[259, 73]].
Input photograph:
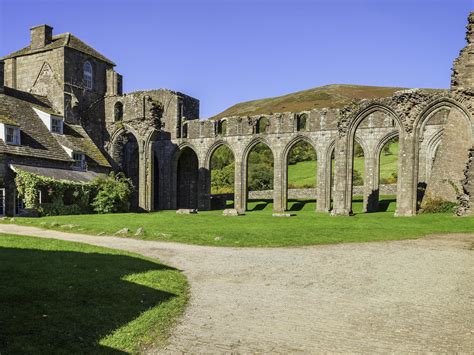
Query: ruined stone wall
[[463, 68], [447, 174]]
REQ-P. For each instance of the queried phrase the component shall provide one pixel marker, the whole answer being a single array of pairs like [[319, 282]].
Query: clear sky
[[226, 51]]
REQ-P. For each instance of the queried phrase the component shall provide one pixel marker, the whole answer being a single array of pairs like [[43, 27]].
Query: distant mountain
[[329, 96]]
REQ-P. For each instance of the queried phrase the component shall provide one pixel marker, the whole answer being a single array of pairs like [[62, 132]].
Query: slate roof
[[59, 41], [36, 139], [76, 139], [57, 174]]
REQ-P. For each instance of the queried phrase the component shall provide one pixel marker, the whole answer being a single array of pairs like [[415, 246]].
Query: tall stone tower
[[463, 67]]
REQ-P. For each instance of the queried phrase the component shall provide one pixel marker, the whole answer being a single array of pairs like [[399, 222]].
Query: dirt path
[[415, 295]]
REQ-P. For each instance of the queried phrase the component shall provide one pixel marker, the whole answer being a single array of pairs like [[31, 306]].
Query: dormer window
[[87, 75], [12, 135], [79, 160], [56, 125]]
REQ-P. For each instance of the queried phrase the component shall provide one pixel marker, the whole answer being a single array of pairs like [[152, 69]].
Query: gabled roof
[[59, 41]]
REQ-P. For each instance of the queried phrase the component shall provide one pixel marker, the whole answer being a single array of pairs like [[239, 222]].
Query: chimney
[[2, 75], [41, 36]]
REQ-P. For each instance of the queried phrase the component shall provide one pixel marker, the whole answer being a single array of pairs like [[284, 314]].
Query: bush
[[438, 206], [113, 193]]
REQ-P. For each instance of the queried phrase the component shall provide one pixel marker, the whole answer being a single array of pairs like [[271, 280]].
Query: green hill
[[329, 96]]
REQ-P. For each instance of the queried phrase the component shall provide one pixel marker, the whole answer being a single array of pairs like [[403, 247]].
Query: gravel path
[[415, 295]]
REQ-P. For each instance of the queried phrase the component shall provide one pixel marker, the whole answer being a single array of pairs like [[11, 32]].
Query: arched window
[[87, 74], [262, 125], [301, 122], [222, 127], [118, 111], [185, 130]]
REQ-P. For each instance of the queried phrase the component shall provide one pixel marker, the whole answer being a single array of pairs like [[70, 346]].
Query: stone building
[[157, 139]]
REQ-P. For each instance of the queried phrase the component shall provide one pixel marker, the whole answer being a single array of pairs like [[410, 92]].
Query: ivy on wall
[[107, 194]]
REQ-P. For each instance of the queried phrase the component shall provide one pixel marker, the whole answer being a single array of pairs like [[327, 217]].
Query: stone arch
[[185, 177], [125, 152], [284, 164], [345, 151], [373, 198], [218, 201], [244, 165], [454, 144], [213, 148]]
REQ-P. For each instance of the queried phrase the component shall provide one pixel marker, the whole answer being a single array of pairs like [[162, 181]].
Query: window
[[88, 75], [118, 111], [79, 160], [262, 125], [56, 125], [12, 135], [301, 122], [185, 130], [222, 127]]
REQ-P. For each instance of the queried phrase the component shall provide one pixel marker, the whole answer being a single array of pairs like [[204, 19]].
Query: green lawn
[[259, 228], [303, 174], [64, 297]]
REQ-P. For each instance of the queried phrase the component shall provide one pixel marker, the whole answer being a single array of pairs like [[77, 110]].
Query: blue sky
[[226, 51]]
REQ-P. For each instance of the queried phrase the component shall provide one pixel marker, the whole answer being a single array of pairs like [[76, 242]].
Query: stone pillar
[[240, 186], [149, 174], [279, 184], [406, 184], [342, 179], [371, 182], [324, 182], [204, 187], [142, 176]]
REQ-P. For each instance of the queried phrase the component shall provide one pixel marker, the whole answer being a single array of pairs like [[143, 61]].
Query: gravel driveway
[[415, 295]]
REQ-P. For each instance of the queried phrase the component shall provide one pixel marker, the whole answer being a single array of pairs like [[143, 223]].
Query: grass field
[[303, 174], [64, 297], [259, 228]]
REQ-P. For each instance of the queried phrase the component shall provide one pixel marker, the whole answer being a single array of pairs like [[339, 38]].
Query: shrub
[[113, 193], [438, 206]]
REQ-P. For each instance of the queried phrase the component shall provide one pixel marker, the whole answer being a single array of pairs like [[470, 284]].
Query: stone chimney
[[2, 75], [41, 36], [463, 67]]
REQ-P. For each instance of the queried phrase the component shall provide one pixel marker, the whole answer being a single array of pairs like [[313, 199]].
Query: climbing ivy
[[54, 191], [106, 194]]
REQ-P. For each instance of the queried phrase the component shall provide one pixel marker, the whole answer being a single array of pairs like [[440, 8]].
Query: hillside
[[329, 96]]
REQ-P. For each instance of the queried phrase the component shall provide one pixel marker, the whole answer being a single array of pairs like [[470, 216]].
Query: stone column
[[324, 183], [204, 188], [279, 184], [342, 179], [149, 174], [371, 182], [240, 186], [406, 184], [142, 176]]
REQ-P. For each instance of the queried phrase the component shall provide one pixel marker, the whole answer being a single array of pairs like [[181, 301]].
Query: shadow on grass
[[298, 205], [385, 204], [258, 205], [65, 301]]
